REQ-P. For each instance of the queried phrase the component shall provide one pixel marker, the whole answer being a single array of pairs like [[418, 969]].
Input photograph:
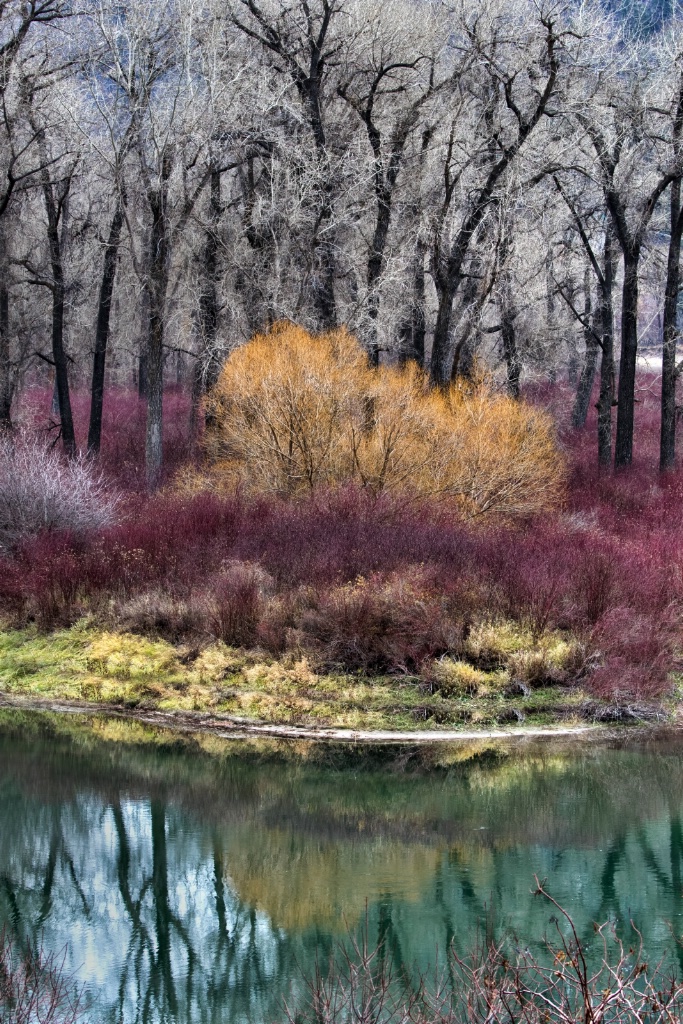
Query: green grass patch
[[87, 663]]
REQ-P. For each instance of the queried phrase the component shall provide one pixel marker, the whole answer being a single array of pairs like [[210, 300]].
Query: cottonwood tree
[[671, 59], [152, 63], [304, 41], [517, 77], [23, 62], [631, 123], [388, 81], [464, 181]]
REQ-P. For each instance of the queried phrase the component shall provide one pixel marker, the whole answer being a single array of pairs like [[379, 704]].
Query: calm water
[[195, 882]]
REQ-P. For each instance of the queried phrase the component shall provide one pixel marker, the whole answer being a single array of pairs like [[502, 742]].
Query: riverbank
[[513, 682]]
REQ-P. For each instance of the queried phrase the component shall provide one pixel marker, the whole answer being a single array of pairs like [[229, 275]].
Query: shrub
[[157, 614], [122, 453], [281, 408], [636, 652], [292, 412], [235, 603], [380, 625], [569, 980], [34, 985], [40, 491]]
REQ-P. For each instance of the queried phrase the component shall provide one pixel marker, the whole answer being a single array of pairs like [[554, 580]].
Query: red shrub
[[637, 653], [609, 566], [235, 603], [122, 452], [381, 625]]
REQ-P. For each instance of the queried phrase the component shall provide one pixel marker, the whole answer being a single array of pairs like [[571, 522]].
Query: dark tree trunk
[[324, 278], [413, 329], [384, 189], [623, 452], [5, 363], [157, 288], [376, 261], [510, 351], [606, 399], [441, 361], [323, 242], [587, 376], [447, 267], [102, 330], [374, 273], [667, 450], [142, 365], [196, 393], [467, 363], [465, 346], [585, 385], [208, 363], [59, 357]]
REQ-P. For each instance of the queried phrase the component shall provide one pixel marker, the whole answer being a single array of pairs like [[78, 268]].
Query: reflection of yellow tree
[[302, 881]]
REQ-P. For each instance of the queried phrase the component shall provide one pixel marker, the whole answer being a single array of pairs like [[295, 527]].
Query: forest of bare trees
[[493, 184]]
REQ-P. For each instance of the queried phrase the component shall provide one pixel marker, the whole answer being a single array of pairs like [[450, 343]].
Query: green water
[[188, 884]]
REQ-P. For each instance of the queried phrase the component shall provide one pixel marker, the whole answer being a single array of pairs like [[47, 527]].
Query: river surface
[[194, 880]]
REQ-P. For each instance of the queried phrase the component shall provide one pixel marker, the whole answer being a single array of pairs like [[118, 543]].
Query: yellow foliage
[[124, 656], [459, 677], [292, 411], [282, 406]]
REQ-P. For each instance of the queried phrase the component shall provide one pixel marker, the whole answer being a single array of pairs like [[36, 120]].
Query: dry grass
[[85, 663]]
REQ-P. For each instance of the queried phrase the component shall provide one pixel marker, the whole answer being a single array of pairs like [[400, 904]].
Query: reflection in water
[[197, 888]]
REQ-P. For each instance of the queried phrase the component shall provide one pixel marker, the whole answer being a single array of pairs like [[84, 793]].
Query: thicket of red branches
[[608, 565]]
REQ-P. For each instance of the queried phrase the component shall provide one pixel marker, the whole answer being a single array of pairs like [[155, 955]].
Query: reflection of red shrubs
[[374, 584]]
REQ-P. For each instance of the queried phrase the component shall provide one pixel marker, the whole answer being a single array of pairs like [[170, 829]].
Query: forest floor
[[89, 667]]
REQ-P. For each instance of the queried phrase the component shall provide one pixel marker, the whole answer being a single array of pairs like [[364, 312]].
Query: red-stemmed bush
[[374, 583]]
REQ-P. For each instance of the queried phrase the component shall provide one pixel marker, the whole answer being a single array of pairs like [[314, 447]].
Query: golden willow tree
[[294, 411]]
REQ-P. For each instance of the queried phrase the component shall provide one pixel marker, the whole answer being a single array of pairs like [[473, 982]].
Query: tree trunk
[[54, 238], [102, 330], [208, 362], [58, 352], [667, 450], [448, 268], [59, 356], [5, 363], [377, 261], [510, 350], [623, 453], [142, 363], [440, 369], [587, 377], [585, 386], [157, 287], [606, 399], [413, 329]]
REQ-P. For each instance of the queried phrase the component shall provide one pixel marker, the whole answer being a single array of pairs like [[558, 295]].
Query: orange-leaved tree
[[293, 411]]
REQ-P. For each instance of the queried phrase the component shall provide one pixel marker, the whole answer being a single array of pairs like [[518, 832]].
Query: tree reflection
[[177, 898]]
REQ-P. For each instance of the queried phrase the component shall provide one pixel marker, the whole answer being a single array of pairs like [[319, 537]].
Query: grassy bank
[[505, 676]]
